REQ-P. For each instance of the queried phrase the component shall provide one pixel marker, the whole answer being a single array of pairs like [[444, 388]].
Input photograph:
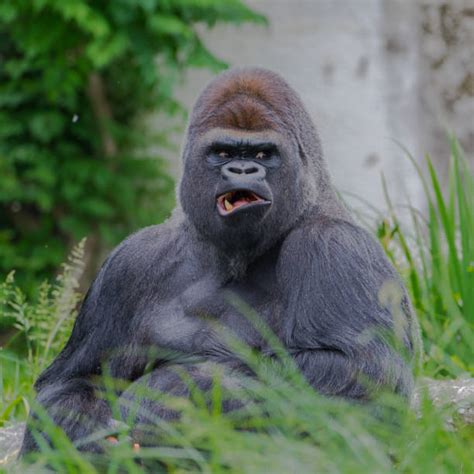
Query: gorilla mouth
[[231, 201]]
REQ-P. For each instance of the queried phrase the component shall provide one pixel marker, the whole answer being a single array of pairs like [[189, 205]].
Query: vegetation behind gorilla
[[258, 219]]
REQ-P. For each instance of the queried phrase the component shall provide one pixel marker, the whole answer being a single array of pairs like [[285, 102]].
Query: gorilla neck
[[230, 260]]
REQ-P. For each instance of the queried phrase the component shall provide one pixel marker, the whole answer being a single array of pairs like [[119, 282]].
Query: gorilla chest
[[192, 319]]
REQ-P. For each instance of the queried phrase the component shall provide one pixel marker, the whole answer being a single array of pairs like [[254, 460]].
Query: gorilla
[[258, 218]]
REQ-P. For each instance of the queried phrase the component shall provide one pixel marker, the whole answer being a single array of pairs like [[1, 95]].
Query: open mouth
[[231, 201]]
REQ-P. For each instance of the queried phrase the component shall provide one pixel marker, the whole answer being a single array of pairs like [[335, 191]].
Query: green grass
[[437, 259], [291, 429]]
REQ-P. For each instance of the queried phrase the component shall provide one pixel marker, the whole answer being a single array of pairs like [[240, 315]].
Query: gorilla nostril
[[237, 169]]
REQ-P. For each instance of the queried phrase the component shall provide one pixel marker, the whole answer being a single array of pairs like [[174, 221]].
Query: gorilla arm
[[340, 335], [103, 328]]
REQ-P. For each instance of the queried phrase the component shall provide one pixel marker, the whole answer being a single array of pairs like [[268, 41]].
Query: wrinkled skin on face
[[205, 184]]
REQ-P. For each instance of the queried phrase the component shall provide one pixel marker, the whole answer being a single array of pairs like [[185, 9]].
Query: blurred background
[[94, 98]]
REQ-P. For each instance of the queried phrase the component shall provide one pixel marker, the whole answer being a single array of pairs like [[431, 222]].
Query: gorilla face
[[240, 188]]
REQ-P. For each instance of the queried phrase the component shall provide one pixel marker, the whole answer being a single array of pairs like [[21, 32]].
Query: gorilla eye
[[223, 154], [260, 155]]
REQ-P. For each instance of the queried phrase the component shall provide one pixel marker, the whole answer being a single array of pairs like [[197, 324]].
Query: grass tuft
[[437, 259]]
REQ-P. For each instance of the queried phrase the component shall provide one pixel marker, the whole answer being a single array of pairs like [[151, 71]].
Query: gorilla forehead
[[247, 99]]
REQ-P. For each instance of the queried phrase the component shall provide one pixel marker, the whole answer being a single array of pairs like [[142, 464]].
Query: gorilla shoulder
[[343, 275], [337, 251], [152, 248]]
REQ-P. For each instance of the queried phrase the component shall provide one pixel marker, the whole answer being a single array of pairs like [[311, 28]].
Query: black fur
[[317, 279]]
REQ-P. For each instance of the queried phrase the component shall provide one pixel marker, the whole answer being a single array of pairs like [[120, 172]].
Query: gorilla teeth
[[232, 200]]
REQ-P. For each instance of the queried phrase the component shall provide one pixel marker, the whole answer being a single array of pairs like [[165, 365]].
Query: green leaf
[[45, 126], [105, 49], [8, 12], [85, 16], [169, 25]]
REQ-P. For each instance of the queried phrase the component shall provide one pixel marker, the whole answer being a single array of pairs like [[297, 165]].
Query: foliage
[[42, 327], [438, 261], [289, 429], [76, 78]]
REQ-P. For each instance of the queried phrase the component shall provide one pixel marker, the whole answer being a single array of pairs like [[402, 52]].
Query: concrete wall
[[363, 69]]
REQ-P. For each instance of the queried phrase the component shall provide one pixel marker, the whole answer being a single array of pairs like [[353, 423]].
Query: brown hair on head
[[247, 99], [242, 112]]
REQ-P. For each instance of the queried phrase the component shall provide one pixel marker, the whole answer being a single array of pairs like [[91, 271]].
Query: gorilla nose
[[243, 169]]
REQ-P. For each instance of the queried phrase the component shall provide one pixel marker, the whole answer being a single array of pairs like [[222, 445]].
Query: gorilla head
[[252, 162]]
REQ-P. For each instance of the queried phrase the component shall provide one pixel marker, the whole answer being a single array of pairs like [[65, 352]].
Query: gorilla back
[[258, 217]]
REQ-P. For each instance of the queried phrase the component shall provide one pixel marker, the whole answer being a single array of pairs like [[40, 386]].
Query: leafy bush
[[76, 78]]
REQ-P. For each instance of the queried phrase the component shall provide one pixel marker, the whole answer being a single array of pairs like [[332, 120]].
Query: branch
[[102, 111]]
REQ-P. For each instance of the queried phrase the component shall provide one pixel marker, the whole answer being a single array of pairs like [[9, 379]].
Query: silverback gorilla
[[258, 217]]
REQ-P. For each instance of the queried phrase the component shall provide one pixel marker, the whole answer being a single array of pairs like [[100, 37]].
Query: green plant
[[76, 157], [438, 261], [290, 428], [41, 328]]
